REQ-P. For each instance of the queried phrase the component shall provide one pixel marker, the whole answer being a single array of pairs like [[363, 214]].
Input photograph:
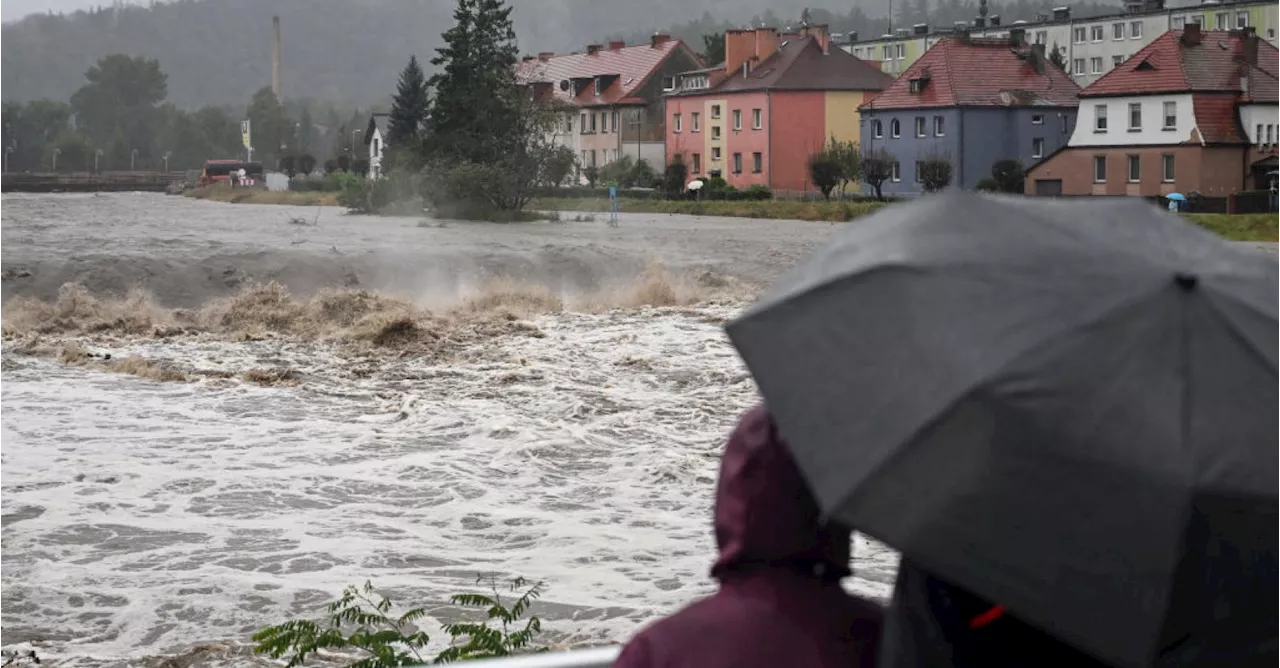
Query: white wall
[[376, 149], [1118, 132], [1254, 115]]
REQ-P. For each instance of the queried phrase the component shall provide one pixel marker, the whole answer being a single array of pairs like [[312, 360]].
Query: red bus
[[222, 171]]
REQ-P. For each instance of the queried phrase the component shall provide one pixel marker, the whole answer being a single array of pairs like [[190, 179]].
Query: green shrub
[[758, 191], [361, 620]]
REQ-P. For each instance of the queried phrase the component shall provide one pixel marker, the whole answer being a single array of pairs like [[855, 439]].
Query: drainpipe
[[768, 110], [960, 141]]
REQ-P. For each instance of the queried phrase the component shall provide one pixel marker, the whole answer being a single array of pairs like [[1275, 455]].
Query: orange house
[[775, 100]]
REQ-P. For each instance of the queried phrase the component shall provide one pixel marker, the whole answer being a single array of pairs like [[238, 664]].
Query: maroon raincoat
[[780, 601]]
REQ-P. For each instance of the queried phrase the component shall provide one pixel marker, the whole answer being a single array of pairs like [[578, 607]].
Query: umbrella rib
[[1235, 330], [978, 384]]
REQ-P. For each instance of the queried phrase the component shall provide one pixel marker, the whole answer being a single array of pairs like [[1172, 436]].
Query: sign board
[[245, 134]]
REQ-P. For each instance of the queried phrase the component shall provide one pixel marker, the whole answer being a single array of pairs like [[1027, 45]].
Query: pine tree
[[477, 97], [408, 110]]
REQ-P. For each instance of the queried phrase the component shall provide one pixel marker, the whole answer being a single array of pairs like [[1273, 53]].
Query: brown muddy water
[[215, 418]]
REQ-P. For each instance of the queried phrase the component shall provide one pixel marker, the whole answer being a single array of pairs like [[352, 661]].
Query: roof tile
[[630, 67], [1216, 64]]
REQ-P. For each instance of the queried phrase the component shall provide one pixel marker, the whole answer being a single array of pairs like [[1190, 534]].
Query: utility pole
[[7, 151], [56, 153], [133, 159], [96, 154]]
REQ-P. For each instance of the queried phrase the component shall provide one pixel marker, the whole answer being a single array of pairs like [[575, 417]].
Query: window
[[715, 111], [1078, 35], [1179, 22], [737, 163], [1096, 33], [887, 52], [939, 130], [902, 51], [1042, 36], [1258, 136], [1099, 169], [737, 119], [1198, 19], [1037, 147], [1135, 116], [1170, 115], [1037, 119], [1135, 169], [920, 126], [675, 121], [568, 123], [1242, 19], [1223, 19], [1066, 123], [1095, 65], [1099, 118], [877, 129], [896, 173], [582, 126], [757, 120], [715, 154], [615, 121], [895, 128], [1117, 31], [757, 162], [1271, 135], [919, 171], [593, 157], [1168, 165], [1116, 61], [586, 157], [697, 163], [604, 121], [593, 121], [1271, 33], [1135, 29], [715, 132], [1077, 67], [696, 120]]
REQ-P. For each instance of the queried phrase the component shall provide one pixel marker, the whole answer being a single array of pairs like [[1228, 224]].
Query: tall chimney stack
[[275, 56]]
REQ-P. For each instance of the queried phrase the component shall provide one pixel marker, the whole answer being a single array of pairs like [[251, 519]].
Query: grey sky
[[12, 10]]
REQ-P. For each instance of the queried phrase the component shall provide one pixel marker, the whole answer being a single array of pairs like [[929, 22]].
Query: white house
[[375, 138]]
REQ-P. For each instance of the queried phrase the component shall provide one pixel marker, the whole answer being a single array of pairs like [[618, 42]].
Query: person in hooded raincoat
[[780, 601]]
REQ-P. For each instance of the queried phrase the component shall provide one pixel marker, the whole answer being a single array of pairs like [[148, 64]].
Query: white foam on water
[[141, 517]]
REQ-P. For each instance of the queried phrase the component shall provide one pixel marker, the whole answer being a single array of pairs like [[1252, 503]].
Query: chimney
[[1018, 36], [526, 59], [659, 38], [1037, 58], [820, 35], [546, 55], [979, 21], [1191, 35], [1249, 45], [617, 44], [593, 49], [1061, 13], [275, 56], [746, 45], [920, 29], [994, 21]]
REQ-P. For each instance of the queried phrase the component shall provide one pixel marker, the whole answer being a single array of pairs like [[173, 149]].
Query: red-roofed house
[[1194, 111], [776, 100], [612, 96], [973, 101]]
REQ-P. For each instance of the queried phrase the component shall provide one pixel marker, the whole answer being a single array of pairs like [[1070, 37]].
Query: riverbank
[[1260, 227], [223, 193]]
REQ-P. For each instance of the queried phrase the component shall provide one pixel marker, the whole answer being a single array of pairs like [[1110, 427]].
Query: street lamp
[[96, 154], [56, 153], [353, 142], [166, 161], [133, 156]]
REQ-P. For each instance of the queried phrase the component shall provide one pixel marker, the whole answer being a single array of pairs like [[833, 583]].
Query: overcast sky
[[12, 10]]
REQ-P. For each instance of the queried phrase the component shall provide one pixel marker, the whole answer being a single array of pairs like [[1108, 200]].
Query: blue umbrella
[[1176, 196]]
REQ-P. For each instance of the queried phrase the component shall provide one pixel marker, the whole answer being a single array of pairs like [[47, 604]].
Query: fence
[[599, 657], [88, 182]]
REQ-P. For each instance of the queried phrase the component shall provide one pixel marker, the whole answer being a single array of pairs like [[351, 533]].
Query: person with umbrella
[[780, 601], [1067, 409]]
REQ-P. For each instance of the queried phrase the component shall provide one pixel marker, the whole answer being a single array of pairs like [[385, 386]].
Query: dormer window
[[597, 86], [916, 85]]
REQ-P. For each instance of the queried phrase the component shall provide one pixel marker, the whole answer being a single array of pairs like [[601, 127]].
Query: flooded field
[[191, 452]]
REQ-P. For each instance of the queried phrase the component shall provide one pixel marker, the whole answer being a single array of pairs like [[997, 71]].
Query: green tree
[[673, 176], [75, 152], [849, 157], [119, 100], [1057, 58], [306, 164], [877, 167], [559, 166], [30, 128], [306, 130], [408, 113], [1008, 176], [824, 171], [935, 172], [713, 48], [475, 110], [268, 124]]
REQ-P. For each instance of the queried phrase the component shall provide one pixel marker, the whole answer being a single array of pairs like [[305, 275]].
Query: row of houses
[[1191, 110]]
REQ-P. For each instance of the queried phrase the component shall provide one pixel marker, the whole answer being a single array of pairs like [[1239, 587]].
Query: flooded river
[[244, 453]]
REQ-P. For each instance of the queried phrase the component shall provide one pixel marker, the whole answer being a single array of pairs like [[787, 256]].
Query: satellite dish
[[564, 84]]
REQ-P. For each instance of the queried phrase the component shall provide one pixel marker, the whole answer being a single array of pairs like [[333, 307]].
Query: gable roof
[[626, 71], [800, 64], [978, 72], [379, 121], [1215, 65]]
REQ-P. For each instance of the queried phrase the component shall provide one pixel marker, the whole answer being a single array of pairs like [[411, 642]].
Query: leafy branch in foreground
[[361, 620]]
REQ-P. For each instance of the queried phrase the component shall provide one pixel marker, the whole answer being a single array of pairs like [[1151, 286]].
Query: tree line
[[121, 119]]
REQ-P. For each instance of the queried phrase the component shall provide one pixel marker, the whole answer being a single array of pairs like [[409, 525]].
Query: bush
[[988, 185], [361, 620], [935, 173], [673, 177], [1009, 176], [757, 191]]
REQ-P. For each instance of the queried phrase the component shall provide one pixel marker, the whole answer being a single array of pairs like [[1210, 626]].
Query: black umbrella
[[1069, 408]]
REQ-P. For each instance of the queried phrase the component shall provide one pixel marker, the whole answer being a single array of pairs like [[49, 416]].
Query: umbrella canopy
[[695, 184], [1176, 196], [1067, 407]]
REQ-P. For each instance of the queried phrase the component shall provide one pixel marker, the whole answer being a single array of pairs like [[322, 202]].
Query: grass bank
[[223, 193], [1240, 227]]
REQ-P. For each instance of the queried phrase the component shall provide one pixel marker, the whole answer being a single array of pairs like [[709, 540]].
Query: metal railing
[[598, 657]]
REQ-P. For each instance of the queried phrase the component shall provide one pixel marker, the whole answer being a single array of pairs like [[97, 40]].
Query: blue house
[[974, 102]]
